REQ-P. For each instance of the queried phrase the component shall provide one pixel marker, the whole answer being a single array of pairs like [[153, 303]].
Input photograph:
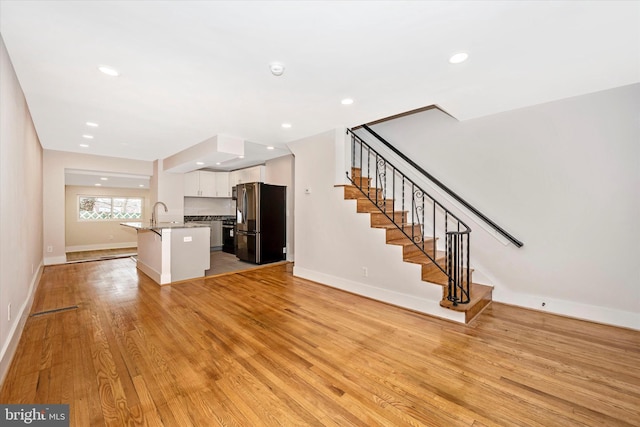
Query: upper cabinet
[[242, 176], [222, 184], [206, 184], [219, 184], [200, 184]]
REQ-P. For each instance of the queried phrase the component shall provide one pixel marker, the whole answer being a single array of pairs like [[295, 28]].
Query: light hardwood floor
[[265, 348]]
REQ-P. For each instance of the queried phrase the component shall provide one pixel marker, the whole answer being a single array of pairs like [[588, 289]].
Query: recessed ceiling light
[[104, 179], [84, 145], [140, 185], [276, 68], [199, 163], [347, 101], [218, 163], [459, 57], [93, 125], [286, 125], [241, 157], [109, 71], [88, 136], [98, 185], [269, 148]]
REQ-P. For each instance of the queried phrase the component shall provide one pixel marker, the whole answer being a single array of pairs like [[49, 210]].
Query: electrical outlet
[[9, 312], [49, 248], [365, 272]]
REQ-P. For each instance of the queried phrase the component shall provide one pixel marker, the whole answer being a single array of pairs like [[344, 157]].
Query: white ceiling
[[194, 69]]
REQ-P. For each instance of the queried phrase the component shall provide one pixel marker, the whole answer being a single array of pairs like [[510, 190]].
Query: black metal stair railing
[[416, 214]]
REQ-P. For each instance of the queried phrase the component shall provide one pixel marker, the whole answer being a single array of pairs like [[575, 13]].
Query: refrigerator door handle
[[244, 205]]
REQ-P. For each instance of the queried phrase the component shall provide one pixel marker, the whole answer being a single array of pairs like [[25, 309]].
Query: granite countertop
[[162, 225]]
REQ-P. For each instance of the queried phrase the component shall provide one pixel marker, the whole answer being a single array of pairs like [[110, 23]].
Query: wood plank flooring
[[263, 348]]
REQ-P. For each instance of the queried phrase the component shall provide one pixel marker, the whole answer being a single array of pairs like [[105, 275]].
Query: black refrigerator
[[261, 211]]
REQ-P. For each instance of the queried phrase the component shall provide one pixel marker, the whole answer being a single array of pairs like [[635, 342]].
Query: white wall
[[333, 243], [20, 210], [280, 171], [564, 178], [55, 163]]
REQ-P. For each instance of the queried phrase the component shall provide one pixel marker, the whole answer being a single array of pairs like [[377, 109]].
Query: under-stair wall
[[337, 247]]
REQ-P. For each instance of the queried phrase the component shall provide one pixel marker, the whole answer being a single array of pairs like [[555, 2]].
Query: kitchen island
[[172, 251]]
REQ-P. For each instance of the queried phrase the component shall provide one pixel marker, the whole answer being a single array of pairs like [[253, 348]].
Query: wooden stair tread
[[421, 258], [480, 297], [406, 241]]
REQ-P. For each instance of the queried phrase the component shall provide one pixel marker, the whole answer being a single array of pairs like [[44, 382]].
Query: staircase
[[404, 222]]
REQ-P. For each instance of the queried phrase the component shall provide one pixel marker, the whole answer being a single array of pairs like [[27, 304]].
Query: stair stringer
[[390, 279]]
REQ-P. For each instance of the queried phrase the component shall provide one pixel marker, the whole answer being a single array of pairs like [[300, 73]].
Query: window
[[100, 208]]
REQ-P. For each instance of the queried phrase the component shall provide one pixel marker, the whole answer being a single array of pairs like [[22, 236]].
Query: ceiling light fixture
[[88, 136], [241, 157], [217, 163], [109, 71], [98, 185], [140, 185], [270, 147], [104, 179], [286, 125], [347, 101], [93, 125], [199, 163], [84, 145], [276, 68], [458, 58]]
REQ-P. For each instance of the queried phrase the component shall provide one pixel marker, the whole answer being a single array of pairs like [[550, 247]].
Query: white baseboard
[[53, 260], [101, 246], [156, 276], [10, 346], [592, 313], [410, 302]]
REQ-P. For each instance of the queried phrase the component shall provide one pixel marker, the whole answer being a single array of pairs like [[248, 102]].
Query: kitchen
[[200, 196]]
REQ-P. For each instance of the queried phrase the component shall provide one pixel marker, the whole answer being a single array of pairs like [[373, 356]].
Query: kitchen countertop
[[162, 225]]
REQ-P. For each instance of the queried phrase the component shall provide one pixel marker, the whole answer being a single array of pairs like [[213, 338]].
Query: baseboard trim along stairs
[[480, 294]]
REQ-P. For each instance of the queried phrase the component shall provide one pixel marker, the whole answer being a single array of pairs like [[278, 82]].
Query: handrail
[[450, 192], [389, 181]]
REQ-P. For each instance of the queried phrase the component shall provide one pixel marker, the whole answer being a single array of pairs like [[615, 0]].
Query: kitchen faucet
[[153, 212]]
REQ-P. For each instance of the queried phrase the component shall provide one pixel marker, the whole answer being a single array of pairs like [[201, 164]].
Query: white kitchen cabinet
[[223, 189], [241, 176], [200, 184]]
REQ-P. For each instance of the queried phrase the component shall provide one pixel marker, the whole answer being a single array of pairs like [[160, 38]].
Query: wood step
[[396, 233], [481, 297], [420, 258], [365, 205], [362, 182], [353, 192], [412, 249], [435, 275], [379, 218]]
